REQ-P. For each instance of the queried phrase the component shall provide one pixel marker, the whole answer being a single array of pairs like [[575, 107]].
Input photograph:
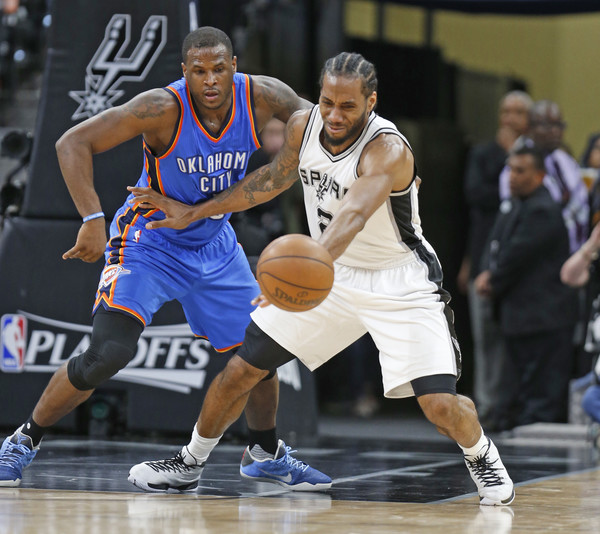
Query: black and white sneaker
[[487, 471], [180, 473]]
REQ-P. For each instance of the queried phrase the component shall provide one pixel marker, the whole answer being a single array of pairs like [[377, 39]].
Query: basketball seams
[[291, 273], [328, 288], [294, 256]]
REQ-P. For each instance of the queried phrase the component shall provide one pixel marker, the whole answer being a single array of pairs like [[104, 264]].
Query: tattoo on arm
[[279, 97], [272, 178], [147, 108]]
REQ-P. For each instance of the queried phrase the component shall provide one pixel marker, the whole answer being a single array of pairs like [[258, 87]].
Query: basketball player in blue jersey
[[198, 134], [360, 186]]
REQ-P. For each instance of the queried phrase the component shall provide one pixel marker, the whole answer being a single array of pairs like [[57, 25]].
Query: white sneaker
[[181, 473], [489, 474]]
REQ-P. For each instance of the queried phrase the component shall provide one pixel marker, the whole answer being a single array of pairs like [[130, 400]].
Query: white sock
[[200, 447], [472, 451]]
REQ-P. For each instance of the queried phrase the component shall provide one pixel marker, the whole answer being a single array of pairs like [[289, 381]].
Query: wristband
[[96, 215]]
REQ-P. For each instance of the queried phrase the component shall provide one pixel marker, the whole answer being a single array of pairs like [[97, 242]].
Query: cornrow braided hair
[[352, 65]]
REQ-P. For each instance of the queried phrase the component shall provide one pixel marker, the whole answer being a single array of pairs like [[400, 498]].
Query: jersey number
[[324, 218]]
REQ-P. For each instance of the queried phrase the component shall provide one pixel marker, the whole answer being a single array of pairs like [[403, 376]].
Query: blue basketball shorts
[[213, 282]]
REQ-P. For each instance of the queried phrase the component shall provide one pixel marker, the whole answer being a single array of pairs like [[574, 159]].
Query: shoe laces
[[14, 455], [288, 459], [485, 471], [172, 464]]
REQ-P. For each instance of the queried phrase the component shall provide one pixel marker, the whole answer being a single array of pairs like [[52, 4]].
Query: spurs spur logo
[[108, 69]]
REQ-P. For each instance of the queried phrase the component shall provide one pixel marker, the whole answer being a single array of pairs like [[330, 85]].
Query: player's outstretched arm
[[386, 165], [273, 98], [153, 114], [257, 187]]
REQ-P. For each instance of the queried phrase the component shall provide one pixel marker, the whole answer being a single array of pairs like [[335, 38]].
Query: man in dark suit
[[525, 252]]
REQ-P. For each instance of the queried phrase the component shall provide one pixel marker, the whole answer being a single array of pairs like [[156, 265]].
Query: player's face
[[524, 178], [344, 109], [209, 74]]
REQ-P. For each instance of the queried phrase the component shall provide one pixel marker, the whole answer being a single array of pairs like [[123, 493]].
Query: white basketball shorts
[[401, 309]]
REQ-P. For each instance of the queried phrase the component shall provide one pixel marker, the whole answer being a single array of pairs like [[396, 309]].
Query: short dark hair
[[205, 37], [352, 65], [535, 153]]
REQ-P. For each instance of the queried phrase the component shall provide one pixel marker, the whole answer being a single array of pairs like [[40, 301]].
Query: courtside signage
[[168, 357]]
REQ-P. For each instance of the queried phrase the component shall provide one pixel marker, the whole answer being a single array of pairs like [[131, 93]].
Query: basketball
[[295, 273]]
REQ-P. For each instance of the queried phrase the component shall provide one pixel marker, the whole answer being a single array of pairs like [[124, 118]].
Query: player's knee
[[98, 364], [439, 408], [272, 374], [240, 375]]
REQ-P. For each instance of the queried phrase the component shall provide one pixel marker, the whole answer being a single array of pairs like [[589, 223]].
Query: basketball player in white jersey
[[360, 190]]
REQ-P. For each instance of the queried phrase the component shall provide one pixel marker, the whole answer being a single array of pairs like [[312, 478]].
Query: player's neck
[[337, 148], [214, 119]]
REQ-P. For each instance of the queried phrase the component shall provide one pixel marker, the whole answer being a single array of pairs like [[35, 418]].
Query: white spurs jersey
[[392, 233]]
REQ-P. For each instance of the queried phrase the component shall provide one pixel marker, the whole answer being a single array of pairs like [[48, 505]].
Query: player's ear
[[371, 101], [183, 69], [234, 63]]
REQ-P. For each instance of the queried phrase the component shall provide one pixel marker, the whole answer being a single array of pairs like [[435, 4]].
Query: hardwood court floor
[[380, 486]]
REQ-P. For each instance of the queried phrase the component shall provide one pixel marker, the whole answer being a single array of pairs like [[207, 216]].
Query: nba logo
[[13, 332]]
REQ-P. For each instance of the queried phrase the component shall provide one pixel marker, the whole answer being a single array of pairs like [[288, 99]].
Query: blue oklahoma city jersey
[[198, 164], [201, 266]]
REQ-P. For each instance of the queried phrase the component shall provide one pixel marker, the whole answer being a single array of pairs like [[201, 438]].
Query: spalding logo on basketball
[[295, 272]]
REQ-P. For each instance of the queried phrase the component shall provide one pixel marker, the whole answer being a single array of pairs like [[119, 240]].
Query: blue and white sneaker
[[284, 470], [16, 454]]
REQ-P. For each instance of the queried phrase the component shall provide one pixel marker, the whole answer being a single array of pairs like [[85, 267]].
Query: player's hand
[[91, 242], [177, 214], [261, 301]]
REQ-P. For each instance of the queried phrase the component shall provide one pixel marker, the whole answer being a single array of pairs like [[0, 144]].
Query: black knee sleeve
[[97, 364], [113, 345], [263, 352]]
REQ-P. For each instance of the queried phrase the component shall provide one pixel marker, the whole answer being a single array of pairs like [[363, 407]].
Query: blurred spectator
[[591, 397], [525, 252], [591, 154], [484, 165], [566, 185], [22, 41], [582, 268], [563, 179], [10, 6], [590, 170]]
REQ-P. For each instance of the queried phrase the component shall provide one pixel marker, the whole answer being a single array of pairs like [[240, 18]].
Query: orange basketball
[[295, 272]]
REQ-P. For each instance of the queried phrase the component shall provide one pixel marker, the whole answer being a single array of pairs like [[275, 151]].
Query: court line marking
[[397, 471]]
